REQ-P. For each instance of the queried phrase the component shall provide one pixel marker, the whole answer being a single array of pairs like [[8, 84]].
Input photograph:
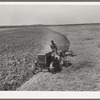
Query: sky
[[48, 14]]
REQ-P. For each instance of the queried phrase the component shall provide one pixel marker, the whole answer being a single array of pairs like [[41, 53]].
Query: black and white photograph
[[49, 47]]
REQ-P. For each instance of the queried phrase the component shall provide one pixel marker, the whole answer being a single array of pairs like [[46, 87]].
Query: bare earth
[[84, 73], [18, 49]]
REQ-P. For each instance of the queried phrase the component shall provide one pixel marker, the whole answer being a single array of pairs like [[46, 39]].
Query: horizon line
[[46, 25]]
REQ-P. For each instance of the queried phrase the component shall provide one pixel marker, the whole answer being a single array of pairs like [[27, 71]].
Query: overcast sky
[[48, 14]]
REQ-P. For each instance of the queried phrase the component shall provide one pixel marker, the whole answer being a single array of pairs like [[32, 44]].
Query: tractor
[[49, 62], [52, 63]]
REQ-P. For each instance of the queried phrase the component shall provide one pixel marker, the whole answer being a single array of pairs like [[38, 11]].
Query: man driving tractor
[[55, 65], [54, 49], [53, 46]]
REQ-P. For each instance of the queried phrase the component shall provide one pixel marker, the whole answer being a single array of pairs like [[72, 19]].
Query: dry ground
[[84, 73], [85, 42], [18, 49], [17, 53]]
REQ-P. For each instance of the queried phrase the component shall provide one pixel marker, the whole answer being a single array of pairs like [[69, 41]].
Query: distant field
[[19, 46]]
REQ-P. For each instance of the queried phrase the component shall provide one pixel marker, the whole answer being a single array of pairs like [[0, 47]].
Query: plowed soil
[[18, 49], [84, 73]]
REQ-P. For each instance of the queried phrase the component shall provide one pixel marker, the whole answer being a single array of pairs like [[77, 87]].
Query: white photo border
[[49, 94]]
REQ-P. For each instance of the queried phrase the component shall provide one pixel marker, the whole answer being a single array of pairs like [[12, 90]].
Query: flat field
[[19, 47], [84, 73]]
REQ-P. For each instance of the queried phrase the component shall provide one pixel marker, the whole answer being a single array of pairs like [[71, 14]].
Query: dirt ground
[[85, 41], [19, 48], [84, 73]]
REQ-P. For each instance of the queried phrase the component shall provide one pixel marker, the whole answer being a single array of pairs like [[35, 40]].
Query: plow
[[52, 61]]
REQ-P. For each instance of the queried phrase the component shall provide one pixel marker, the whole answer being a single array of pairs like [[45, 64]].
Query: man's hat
[[52, 41]]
